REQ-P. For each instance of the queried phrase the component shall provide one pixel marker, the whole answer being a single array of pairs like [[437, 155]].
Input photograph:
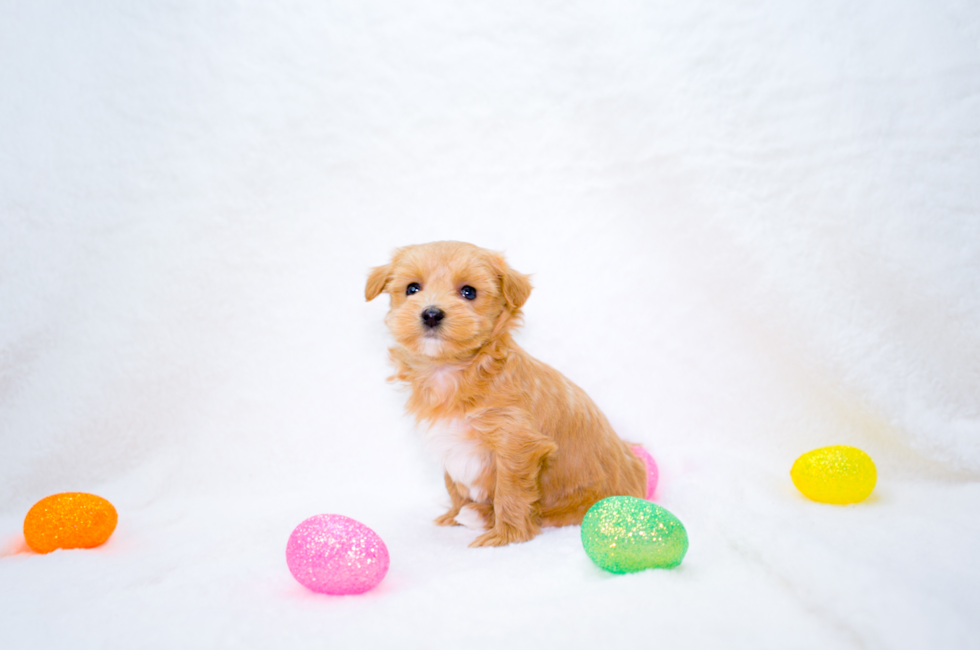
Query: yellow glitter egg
[[838, 474], [69, 520]]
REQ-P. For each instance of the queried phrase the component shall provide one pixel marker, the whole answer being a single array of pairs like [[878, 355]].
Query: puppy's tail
[[653, 474]]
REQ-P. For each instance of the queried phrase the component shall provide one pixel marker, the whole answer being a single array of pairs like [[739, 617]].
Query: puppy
[[522, 446]]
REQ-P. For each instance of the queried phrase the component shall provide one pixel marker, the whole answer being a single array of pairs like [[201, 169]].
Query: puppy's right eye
[[415, 287]]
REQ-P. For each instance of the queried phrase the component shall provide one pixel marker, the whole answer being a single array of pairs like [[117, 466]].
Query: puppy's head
[[448, 298]]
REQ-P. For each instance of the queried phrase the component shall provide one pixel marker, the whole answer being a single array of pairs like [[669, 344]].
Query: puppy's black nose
[[432, 316]]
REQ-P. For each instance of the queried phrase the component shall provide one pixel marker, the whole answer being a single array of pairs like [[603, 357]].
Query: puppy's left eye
[[468, 292]]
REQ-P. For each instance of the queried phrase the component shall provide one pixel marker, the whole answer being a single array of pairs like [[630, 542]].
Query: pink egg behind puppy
[[652, 473], [334, 554]]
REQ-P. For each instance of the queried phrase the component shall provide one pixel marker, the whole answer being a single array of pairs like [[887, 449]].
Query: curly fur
[[524, 447]]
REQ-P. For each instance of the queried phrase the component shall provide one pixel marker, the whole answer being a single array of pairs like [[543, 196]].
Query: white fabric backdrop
[[754, 229]]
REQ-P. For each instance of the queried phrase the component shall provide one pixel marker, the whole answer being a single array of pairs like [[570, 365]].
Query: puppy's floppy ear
[[515, 286], [376, 281]]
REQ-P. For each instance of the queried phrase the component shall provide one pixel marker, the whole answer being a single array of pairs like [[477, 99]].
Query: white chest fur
[[464, 458]]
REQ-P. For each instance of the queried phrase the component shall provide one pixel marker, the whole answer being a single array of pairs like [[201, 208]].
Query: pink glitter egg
[[652, 473], [334, 554]]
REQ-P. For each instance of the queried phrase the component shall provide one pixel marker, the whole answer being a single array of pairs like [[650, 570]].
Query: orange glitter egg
[[69, 520]]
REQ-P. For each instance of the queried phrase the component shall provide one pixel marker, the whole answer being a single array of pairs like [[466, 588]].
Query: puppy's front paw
[[471, 517], [501, 535], [448, 519]]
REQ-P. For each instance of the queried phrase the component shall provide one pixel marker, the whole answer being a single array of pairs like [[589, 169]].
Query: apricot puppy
[[522, 446]]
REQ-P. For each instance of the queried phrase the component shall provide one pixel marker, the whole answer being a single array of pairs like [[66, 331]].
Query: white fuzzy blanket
[[754, 230]]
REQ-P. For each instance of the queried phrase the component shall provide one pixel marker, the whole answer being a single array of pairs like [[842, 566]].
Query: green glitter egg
[[627, 534]]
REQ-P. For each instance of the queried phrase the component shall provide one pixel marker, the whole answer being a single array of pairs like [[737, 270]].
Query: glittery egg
[[652, 473], [334, 554], [69, 520], [626, 534], [838, 474]]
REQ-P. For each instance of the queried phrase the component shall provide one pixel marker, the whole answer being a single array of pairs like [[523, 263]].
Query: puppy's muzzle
[[432, 316]]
